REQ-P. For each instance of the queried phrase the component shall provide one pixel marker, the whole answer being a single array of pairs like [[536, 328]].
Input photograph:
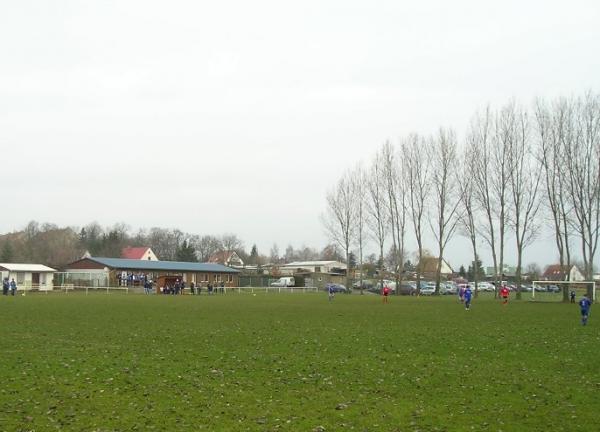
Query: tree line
[[517, 169], [56, 246]]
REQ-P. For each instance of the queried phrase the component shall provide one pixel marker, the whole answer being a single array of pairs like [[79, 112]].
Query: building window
[[229, 278], [317, 269], [20, 278]]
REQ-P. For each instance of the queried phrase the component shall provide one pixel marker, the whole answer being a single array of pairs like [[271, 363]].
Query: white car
[[428, 289]]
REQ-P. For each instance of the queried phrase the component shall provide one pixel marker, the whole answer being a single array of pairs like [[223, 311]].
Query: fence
[[263, 289]]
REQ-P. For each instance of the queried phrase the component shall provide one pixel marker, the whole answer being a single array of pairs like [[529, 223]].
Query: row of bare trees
[[517, 171]]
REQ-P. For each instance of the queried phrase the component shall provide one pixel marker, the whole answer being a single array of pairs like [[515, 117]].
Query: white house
[[312, 267], [556, 272], [29, 276], [227, 258]]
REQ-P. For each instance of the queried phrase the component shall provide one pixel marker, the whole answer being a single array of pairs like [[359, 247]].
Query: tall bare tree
[[490, 134], [582, 158], [445, 198], [416, 171], [376, 209], [359, 189], [339, 219], [524, 170], [468, 217], [554, 131], [396, 207]]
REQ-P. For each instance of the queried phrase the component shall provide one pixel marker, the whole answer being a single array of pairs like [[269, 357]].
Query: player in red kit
[[504, 294], [386, 293]]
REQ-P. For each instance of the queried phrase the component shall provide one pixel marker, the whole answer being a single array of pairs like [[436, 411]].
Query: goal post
[[541, 287]]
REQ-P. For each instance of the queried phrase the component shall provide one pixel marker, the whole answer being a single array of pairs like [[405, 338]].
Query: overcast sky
[[237, 116]]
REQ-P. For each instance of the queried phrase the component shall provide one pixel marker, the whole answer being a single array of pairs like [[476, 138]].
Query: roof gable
[[134, 252]]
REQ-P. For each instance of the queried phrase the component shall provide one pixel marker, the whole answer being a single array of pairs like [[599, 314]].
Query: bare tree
[[396, 207], [469, 214], [206, 246], [231, 242], [274, 255], [490, 135], [554, 129], [416, 171], [376, 209], [359, 188], [524, 170], [445, 197], [339, 219], [582, 158]]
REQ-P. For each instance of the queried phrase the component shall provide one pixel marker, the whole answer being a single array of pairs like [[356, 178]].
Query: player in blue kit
[[585, 305], [467, 297]]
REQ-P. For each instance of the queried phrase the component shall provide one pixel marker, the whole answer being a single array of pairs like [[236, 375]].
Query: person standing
[[585, 305], [504, 294], [331, 292], [572, 296], [467, 295], [386, 293], [5, 286], [13, 287]]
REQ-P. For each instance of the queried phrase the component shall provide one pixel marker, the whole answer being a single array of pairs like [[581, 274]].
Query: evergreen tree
[[352, 259], [186, 252], [462, 272], [253, 258]]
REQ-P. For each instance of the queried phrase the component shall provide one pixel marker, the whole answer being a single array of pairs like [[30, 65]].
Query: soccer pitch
[[295, 362]]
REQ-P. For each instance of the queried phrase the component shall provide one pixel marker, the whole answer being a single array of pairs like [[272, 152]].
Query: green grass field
[[295, 362]]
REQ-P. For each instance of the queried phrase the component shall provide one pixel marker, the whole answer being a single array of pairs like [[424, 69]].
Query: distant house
[[228, 258], [557, 272], [329, 267], [29, 276], [428, 267], [138, 253]]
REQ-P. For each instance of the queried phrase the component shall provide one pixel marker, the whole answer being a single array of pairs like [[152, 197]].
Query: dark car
[[407, 289], [553, 288], [337, 288]]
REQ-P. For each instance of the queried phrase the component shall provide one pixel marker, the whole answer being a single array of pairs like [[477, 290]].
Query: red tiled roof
[[220, 257], [134, 252], [555, 270]]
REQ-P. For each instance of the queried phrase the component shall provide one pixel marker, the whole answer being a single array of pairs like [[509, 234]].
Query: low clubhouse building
[[115, 271]]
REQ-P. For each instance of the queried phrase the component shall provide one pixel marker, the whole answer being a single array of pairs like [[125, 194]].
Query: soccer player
[[585, 305], [504, 294], [467, 297], [386, 293], [331, 292]]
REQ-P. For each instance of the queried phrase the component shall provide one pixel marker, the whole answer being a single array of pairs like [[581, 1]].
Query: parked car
[[428, 289], [284, 282], [365, 285], [407, 289], [553, 288], [540, 288], [337, 288], [483, 286], [447, 288], [387, 283]]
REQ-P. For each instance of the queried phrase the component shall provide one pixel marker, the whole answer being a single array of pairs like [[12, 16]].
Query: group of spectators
[[9, 286], [132, 279], [178, 288]]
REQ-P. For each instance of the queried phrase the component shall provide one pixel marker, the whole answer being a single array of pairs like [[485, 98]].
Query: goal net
[[553, 290]]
